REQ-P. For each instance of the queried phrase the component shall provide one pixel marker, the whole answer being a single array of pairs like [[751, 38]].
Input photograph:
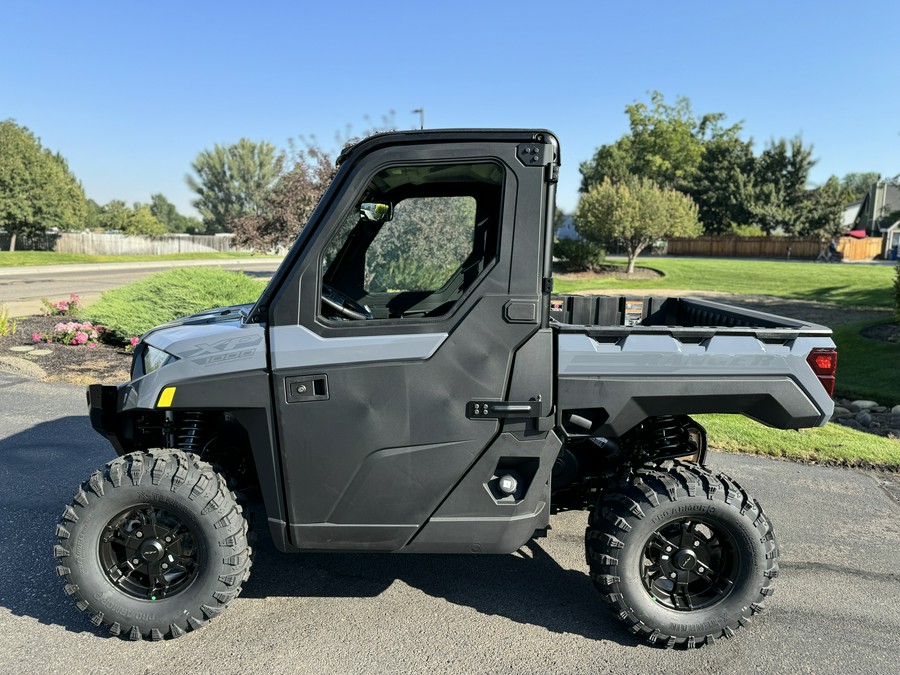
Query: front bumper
[[103, 402]]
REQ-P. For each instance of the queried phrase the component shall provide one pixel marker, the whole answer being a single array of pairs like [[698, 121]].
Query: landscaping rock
[[879, 409], [896, 410], [853, 424], [40, 352], [864, 418], [865, 405], [840, 412], [852, 408], [21, 349]]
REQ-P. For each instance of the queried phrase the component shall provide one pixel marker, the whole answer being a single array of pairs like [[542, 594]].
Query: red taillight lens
[[824, 365]]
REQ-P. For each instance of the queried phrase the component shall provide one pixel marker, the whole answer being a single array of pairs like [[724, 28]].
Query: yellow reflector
[[165, 398]]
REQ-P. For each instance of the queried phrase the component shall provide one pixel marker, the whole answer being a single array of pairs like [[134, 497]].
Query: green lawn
[[28, 258], [867, 286], [831, 444], [867, 369]]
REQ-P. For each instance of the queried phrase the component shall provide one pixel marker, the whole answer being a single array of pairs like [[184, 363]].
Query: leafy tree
[[66, 204], [232, 181], [636, 212], [822, 210], [856, 185], [665, 144], [724, 186], [286, 207], [94, 215], [37, 189], [166, 213], [142, 221], [116, 215], [780, 200]]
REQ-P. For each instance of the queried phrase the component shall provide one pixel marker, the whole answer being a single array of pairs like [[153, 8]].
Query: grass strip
[[831, 444]]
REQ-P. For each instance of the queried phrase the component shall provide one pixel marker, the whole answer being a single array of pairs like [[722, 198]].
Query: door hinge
[[552, 172], [547, 285]]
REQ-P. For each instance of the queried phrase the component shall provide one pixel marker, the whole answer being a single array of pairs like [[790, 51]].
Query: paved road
[[836, 609], [21, 288]]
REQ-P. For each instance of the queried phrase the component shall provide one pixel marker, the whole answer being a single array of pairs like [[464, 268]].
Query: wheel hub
[[689, 564], [148, 553], [685, 559], [152, 550]]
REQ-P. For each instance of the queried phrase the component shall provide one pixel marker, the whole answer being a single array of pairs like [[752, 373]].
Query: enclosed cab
[[407, 382]]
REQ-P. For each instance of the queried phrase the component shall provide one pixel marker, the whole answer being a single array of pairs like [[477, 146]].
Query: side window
[[428, 239], [417, 239]]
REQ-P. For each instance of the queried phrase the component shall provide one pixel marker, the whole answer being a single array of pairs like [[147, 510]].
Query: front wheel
[[153, 546], [681, 555]]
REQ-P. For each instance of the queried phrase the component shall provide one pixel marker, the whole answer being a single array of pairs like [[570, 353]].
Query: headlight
[[154, 359]]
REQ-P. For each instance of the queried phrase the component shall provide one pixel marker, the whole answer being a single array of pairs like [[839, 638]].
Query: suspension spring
[[193, 432], [664, 436]]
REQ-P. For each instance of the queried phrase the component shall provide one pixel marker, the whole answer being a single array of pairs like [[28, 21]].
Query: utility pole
[[421, 112]]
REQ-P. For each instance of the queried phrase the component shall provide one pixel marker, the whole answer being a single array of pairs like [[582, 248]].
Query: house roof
[[851, 211]]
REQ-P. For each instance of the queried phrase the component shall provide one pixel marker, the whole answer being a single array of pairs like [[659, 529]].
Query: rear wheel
[[153, 546], [681, 555]]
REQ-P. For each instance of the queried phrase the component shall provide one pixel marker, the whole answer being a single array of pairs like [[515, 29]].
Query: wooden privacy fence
[[860, 249], [123, 244], [804, 248]]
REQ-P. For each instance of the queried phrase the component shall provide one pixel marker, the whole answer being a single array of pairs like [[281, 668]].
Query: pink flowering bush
[[71, 333], [62, 307]]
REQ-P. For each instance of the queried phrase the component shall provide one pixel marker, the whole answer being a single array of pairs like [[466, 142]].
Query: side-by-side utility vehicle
[[408, 382]]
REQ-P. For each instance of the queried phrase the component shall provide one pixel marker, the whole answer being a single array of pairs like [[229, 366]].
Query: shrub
[[7, 326], [71, 333], [578, 255], [897, 293], [61, 308], [136, 308]]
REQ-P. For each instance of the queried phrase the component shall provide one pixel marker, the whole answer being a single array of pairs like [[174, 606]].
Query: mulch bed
[[888, 332], [608, 272], [81, 364]]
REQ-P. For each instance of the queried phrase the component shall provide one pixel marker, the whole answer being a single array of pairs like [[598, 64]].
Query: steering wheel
[[344, 305]]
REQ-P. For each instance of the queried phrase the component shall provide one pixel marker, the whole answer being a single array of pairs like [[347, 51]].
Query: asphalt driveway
[[836, 608]]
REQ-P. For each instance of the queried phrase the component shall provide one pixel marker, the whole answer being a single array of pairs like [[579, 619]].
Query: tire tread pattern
[[171, 469], [632, 499]]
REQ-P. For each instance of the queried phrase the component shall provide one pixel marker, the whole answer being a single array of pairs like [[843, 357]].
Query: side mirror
[[377, 212]]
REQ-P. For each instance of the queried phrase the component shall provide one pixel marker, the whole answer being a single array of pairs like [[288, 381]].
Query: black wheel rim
[[149, 553], [689, 564]]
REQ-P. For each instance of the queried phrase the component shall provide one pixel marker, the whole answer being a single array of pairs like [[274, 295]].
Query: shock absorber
[[193, 433], [664, 436]]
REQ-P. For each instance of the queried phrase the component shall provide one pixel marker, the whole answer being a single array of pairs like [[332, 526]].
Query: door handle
[[300, 388], [488, 410]]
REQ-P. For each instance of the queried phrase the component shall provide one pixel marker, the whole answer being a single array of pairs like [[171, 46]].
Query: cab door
[[385, 386]]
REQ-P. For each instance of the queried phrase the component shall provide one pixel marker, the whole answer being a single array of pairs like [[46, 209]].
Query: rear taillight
[[824, 365]]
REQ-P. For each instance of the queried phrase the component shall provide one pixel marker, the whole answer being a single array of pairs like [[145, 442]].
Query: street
[[21, 288], [835, 609]]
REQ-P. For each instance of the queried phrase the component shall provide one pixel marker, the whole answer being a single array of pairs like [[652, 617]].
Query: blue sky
[[130, 92]]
